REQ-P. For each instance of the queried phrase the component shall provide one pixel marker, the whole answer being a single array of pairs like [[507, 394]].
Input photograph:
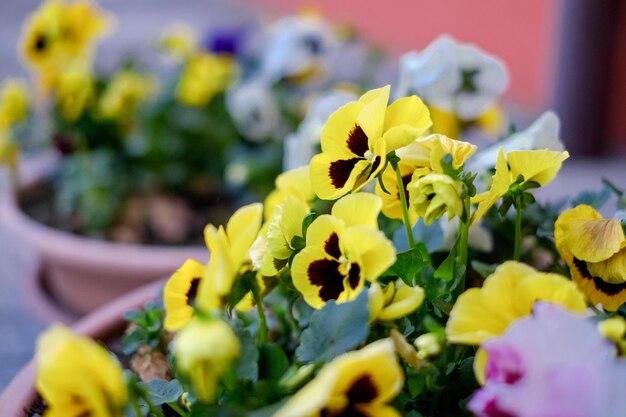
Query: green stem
[[462, 245], [135, 404], [464, 234], [154, 410], [262, 336], [405, 207], [518, 229]]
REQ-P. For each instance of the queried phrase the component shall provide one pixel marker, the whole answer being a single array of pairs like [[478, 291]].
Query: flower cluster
[[188, 137], [335, 298]]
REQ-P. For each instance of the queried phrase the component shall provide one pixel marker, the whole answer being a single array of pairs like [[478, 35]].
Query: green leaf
[[297, 242], [132, 341], [306, 222], [273, 362], [161, 391], [407, 266], [134, 316], [484, 269], [248, 363], [595, 199], [335, 329], [268, 411], [445, 271]]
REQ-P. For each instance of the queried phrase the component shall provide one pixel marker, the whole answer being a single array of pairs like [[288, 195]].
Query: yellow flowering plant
[[332, 299], [144, 142]]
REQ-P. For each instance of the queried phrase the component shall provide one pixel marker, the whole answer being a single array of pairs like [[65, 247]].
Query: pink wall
[[522, 33]]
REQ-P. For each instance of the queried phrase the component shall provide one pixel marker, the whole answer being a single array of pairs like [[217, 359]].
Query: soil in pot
[[145, 217]]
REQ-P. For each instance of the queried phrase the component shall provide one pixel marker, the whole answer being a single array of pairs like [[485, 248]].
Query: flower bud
[[428, 345], [435, 194], [204, 349]]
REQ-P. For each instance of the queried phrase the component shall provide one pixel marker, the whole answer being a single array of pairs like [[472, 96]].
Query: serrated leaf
[[407, 265], [484, 269], [134, 316], [161, 391], [595, 199], [132, 341], [445, 271], [273, 361], [335, 329], [248, 363]]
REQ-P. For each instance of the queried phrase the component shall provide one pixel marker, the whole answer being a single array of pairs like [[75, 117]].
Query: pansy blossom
[[357, 138], [594, 249], [358, 383], [342, 250]]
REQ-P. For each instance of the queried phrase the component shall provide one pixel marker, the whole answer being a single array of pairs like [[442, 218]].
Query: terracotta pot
[[83, 273], [102, 324]]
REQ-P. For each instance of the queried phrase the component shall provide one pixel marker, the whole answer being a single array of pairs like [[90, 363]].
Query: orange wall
[[522, 33]]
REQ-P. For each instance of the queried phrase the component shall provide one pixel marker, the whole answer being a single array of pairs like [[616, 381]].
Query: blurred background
[[568, 55]]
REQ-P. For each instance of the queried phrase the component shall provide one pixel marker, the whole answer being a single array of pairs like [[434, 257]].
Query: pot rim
[[100, 324]]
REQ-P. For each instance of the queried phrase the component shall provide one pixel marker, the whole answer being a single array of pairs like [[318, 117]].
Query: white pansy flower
[[298, 47], [253, 108], [543, 133], [303, 144], [457, 77]]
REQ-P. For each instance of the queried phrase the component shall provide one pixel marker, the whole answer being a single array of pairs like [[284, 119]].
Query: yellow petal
[[445, 122], [536, 165], [370, 249], [331, 178], [375, 300], [372, 116], [375, 363], [316, 276], [220, 273], [358, 209], [501, 181], [337, 131], [492, 121], [589, 237], [613, 270], [547, 287], [406, 119], [242, 229], [405, 301], [324, 232], [179, 294]]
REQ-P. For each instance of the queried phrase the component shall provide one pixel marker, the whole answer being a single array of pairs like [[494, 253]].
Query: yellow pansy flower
[[295, 182], [204, 350], [204, 76], [417, 159], [180, 293], [178, 41], [433, 195], [357, 383], [229, 248], [74, 91], [342, 250], [126, 91], [540, 166], [13, 102], [78, 377], [506, 295], [59, 32], [356, 139], [594, 249], [397, 300]]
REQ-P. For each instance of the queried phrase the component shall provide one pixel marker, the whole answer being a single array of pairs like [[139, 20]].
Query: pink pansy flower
[[553, 363]]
